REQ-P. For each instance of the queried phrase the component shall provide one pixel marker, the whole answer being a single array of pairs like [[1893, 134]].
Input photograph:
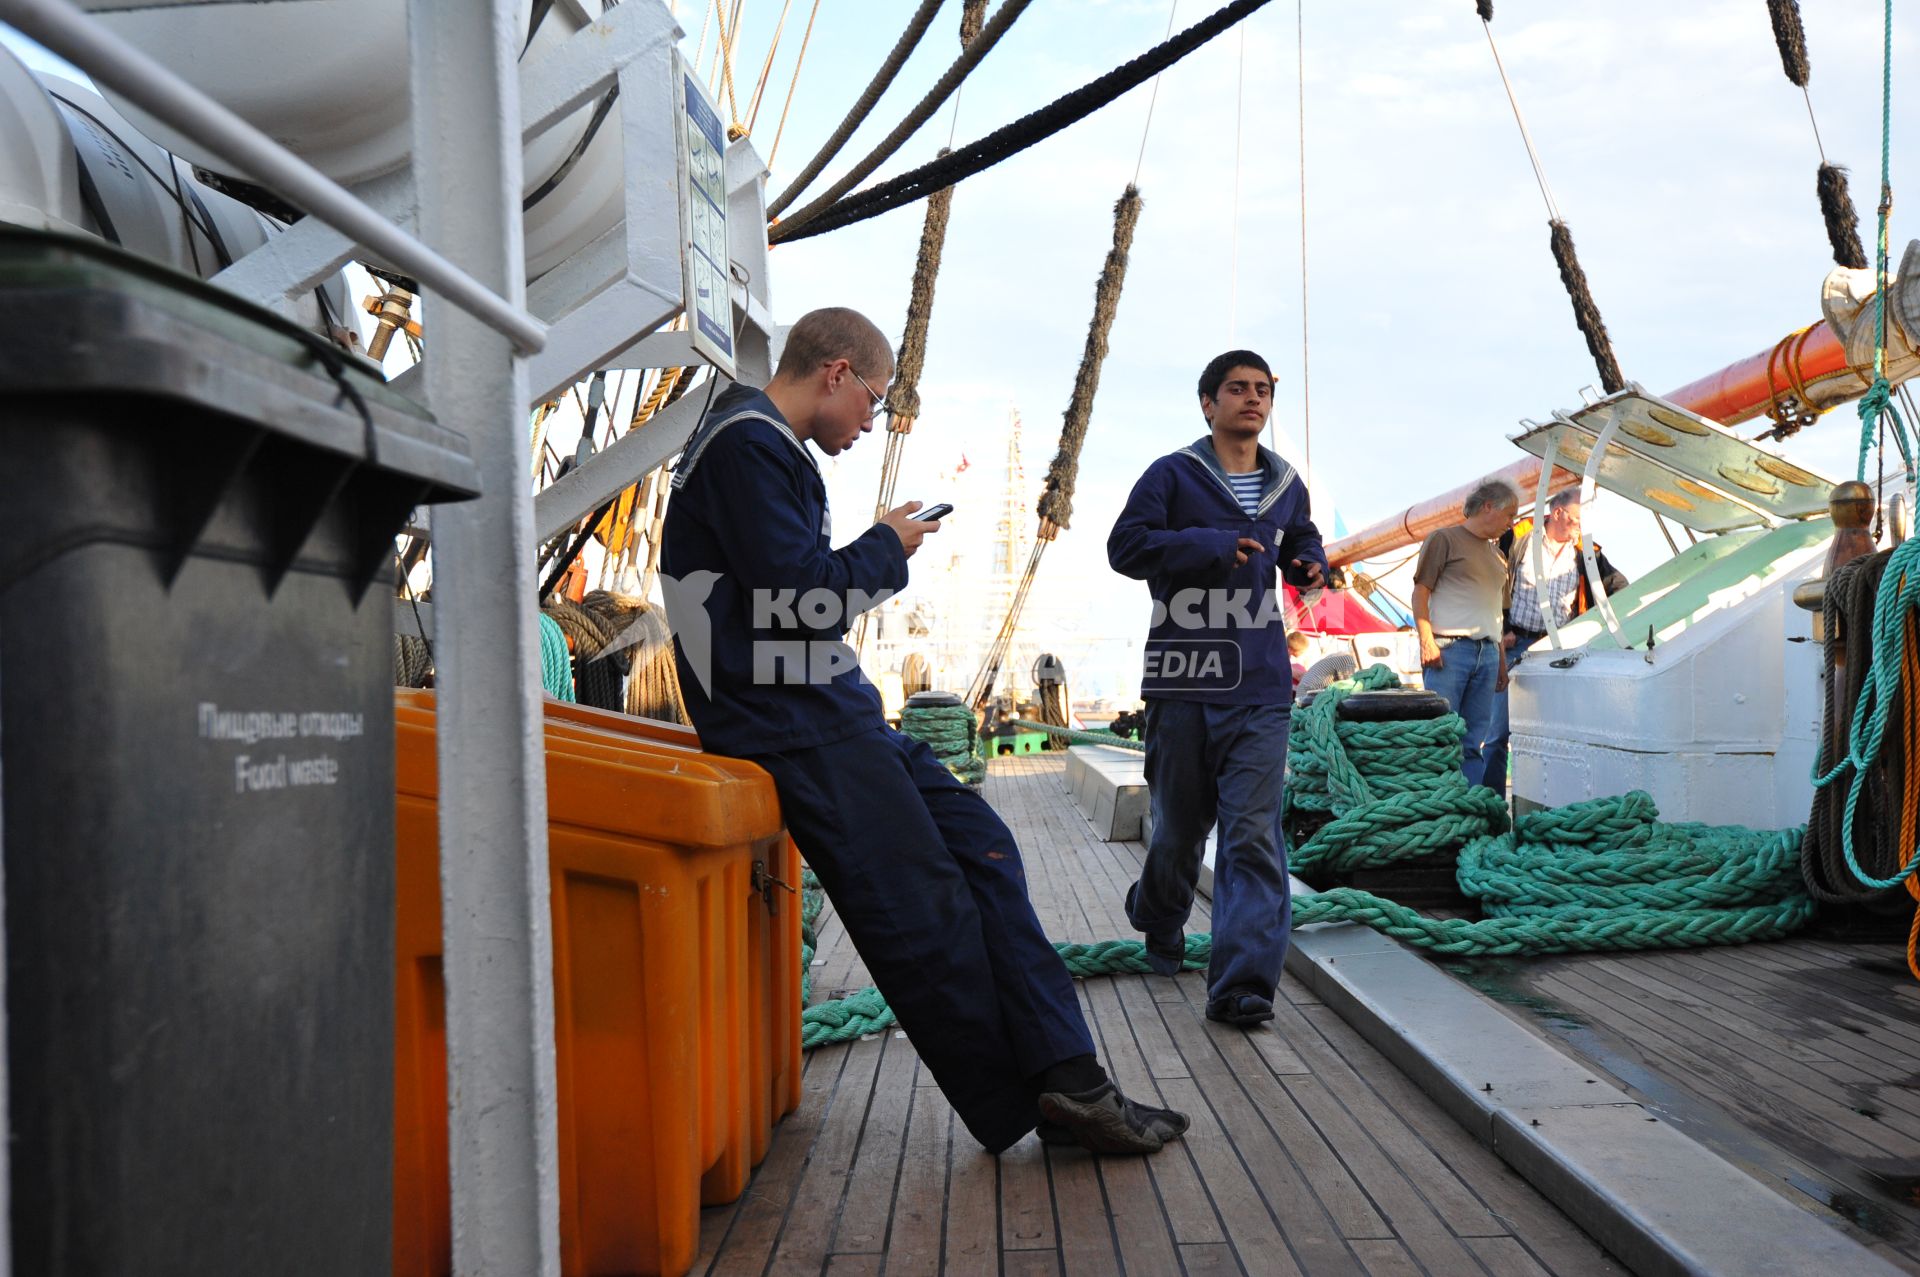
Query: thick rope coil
[[412, 660], [950, 731], [1393, 790], [1056, 499], [556, 670], [1897, 595], [596, 682]]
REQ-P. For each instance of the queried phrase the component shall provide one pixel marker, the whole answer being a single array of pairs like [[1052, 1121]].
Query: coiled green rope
[[1598, 875], [556, 665], [1898, 595], [949, 731], [1395, 789]]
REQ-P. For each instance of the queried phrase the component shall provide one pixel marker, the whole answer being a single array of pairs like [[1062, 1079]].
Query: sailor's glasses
[[879, 400]]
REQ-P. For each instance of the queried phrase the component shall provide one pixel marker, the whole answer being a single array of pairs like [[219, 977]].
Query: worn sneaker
[[1101, 1121], [1242, 1009], [1168, 1124]]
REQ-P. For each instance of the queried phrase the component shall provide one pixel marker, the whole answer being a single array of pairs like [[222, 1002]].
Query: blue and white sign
[[703, 223]]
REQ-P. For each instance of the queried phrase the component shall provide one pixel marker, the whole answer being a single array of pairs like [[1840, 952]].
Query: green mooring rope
[[1394, 789], [556, 664], [1078, 736], [1598, 875], [1878, 401], [948, 730], [1898, 595]]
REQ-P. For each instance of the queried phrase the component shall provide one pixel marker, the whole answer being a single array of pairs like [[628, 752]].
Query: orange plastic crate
[[659, 986], [773, 931]]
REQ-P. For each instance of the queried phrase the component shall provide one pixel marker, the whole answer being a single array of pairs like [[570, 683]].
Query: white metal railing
[[119, 65]]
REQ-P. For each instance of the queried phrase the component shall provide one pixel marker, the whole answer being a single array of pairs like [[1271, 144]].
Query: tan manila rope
[[903, 399], [1056, 499], [805, 40]]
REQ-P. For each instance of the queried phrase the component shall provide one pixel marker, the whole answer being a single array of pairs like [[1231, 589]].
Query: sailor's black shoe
[[1104, 1121]]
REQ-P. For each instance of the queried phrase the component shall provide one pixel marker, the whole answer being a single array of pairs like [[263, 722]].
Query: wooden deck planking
[[1309, 1153], [1796, 1060]]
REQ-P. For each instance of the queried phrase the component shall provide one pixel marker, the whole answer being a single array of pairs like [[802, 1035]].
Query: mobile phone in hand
[[933, 512]]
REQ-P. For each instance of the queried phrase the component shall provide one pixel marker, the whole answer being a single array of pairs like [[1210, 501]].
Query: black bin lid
[[931, 700], [78, 315]]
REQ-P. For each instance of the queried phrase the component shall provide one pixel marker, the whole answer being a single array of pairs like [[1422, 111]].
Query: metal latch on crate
[[764, 882]]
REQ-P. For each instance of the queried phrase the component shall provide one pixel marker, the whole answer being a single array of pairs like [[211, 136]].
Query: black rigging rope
[[1010, 140], [908, 41], [948, 84]]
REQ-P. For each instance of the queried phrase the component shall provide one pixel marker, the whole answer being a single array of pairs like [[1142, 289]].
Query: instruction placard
[[703, 221]]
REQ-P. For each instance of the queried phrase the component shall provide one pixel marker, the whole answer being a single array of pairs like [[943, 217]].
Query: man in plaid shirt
[[1560, 592]]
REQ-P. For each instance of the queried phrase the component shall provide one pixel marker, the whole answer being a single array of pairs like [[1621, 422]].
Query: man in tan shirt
[[1459, 588]]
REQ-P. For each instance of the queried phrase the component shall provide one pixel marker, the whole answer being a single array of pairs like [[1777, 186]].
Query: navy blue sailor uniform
[[1218, 687], [925, 877]]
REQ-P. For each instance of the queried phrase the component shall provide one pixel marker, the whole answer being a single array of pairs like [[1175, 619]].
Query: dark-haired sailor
[[1211, 528], [924, 876]]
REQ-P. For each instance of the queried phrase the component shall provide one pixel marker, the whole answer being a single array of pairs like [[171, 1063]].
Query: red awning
[[1338, 612]]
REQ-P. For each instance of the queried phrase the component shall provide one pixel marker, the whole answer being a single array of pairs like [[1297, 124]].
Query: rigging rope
[[1013, 138], [1586, 312], [1056, 498], [976, 49], [806, 39], [1836, 204], [903, 47], [903, 398], [1876, 406]]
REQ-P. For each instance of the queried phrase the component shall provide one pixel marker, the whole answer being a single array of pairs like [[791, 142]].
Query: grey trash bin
[[196, 772]]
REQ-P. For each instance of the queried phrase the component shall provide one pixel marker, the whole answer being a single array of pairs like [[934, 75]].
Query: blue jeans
[[1226, 763], [1495, 749], [1465, 677]]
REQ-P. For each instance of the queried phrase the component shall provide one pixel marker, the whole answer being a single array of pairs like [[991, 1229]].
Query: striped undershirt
[[1246, 490]]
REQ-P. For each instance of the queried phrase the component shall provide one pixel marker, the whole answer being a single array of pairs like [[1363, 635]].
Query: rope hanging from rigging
[[1586, 312], [1876, 406], [977, 48], [1056, 498], [1836, 204], [1010, 140], [903, 399], [903, 47]]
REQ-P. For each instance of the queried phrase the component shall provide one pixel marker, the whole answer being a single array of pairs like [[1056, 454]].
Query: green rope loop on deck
[[1078, 736], [1598, 875]]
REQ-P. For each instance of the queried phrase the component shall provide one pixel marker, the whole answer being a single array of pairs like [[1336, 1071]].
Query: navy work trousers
[[1225, 763], [929, 884]]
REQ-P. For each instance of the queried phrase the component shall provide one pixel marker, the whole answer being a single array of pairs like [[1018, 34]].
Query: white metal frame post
[[503, 1127]]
